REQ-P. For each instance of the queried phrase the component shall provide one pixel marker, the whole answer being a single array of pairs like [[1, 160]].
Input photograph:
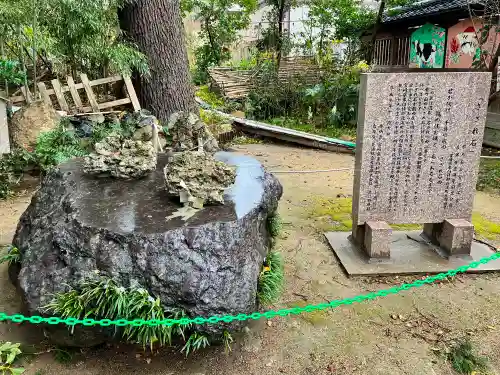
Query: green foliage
[[274, 39], [331, 103], [56, 146], [9, 352], [227, 339], [71, 35], [13, 256], [334, 20], [220, 20], [489, 175], [333, 131], [464, 360], [271, 279], [10, 72], [274, 225], [210, 97], [63, 356], [103, 298], [11, 169], [196, 341]]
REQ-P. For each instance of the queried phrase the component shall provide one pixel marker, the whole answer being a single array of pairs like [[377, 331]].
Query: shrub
[[56, 146], [11, 169], [9, 352]]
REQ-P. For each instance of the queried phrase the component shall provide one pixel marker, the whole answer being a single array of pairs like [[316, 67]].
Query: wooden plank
[[26, 95], [43, 91], [4, 129], [59, 95], [131, 94], [90, 93], [289, 135], [114, 103], [102, 81], [74, 93]]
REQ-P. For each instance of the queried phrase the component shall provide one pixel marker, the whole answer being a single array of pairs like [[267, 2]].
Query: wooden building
[[430, 34]]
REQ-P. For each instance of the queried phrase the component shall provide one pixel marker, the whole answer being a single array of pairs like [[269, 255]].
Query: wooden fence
[[56, 96], [236, 83]]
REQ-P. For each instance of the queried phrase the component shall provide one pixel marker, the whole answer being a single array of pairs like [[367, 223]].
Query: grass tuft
[[196, 341], [271, 279], [274, 225], [102, 298], [13, 256], [464, 360]]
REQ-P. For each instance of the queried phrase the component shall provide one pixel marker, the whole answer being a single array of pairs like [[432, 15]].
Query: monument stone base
[[410, 253]]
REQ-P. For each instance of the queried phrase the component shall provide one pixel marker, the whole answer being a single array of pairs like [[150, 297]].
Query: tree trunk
[[371, 47], [279, 45], [156, 27]]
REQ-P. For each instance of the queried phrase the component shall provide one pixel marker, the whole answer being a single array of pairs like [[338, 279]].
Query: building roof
[[428, 8]]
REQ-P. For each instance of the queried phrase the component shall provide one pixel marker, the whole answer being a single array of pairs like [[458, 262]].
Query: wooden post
[[43, 91], [4, 128], [131, 94], [27, 94], [74, 92], [34, 46], [90, 93], [60, 95]]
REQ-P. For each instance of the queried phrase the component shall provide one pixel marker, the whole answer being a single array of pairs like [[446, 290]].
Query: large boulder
[[207, 265], [31, 120]]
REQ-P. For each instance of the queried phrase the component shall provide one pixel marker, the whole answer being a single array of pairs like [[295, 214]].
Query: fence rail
[[58, 94]]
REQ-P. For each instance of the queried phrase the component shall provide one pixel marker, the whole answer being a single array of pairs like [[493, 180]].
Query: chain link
[[72, 321]]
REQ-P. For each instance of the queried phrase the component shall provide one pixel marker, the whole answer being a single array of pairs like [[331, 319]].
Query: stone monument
[[417, 155]]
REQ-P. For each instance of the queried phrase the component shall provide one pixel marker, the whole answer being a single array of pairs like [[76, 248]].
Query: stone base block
[[454, 236], [377, 239]]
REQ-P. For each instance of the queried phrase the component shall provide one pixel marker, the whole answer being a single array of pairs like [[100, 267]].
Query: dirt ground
[[399, 334]]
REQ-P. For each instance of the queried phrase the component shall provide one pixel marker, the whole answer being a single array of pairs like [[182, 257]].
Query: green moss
[[335, 215], [489, 175], [332, 214], [316, 318], [485, 228], [406, 227]]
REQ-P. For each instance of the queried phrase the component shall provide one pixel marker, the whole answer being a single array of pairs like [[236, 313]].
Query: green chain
[[18, 318]]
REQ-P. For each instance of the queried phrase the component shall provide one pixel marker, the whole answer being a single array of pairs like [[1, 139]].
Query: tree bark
[[378, 22], [279, 45], [156, 27]]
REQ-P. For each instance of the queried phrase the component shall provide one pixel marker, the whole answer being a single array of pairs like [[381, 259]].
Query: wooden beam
[[74, 92], [114, 103], [131, 94], [59, 95], [90, 93], [43, 91], [26, 94]]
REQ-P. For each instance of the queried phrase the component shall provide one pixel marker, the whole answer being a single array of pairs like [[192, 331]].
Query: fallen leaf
[[148, 360]]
